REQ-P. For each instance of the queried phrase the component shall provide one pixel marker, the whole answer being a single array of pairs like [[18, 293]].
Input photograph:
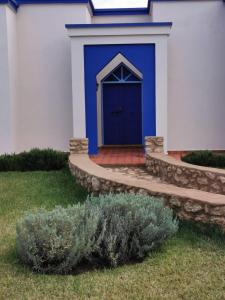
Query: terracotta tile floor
[[119, 157], [175, 155]]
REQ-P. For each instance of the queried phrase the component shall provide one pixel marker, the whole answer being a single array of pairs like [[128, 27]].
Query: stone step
[[188, 204], [186, 175]]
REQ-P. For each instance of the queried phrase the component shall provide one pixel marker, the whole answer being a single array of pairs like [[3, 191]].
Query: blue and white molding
[[133, 34], [15, 4]]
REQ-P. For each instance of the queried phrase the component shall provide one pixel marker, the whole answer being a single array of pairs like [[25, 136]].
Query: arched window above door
[[122, 74], [118, 61]]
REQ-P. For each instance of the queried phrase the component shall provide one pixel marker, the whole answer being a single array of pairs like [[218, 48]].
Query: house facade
[[114, 76]]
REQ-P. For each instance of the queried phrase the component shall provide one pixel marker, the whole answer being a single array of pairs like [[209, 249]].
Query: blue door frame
[[142, 56], [122, 113]]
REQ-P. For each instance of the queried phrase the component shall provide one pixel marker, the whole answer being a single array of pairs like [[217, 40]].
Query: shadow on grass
[[190, 235], [67, 184], [198, 234]]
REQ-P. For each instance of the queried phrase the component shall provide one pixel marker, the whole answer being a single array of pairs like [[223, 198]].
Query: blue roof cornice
[[110, 25], [96, 12], [120, 11], [51, 1], [11, 3], [16, 3]]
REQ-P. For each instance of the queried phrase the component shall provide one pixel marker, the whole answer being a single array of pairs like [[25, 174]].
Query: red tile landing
[[119, 157], [177, 154]]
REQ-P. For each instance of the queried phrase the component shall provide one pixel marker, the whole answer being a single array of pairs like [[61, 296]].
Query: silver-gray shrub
[[57, 241], [106, 230], [130, 227]]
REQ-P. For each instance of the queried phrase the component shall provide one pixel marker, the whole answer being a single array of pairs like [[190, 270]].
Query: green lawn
[[190, 266]]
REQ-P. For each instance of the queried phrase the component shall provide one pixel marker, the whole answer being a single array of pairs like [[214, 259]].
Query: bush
[[106, 230], [55, 242], [34, 160], [130, 227], [205, 158]]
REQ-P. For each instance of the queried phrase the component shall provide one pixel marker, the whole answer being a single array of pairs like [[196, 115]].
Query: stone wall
[[154, 144], [78, 146], [184, 175], [187, 206]]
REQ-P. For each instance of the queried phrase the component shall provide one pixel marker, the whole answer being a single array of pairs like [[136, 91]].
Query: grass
[[189, 266]]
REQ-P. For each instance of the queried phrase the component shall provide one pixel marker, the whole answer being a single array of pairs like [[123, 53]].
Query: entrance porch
[[119, 78], [119, 156]]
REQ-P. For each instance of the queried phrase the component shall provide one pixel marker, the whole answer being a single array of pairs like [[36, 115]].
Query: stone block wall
[[184, 175], [78, 146], [185, 207], [153, 144]]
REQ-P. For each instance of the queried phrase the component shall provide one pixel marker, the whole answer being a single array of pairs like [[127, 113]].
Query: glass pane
[[132, 78], [121, 73], [126, 73], [117, 72], [111, 78]]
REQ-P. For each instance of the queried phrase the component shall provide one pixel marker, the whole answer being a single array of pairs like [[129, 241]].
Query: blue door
[[122, 117]]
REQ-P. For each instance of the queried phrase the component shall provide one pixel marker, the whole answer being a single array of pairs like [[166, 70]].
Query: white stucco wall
[[122, 19], [5, 126], [44, 107], [13, 68], [8, 78], [196, 73], [36, 85]]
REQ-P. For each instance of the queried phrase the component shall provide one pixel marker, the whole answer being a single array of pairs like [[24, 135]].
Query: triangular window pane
[[126, 73], [118, 72], [121, 74], [111, 78], [132, 78]]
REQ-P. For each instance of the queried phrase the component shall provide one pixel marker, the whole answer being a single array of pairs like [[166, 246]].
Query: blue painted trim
[[92, 6], [96, 12], [51, 1], [110, 25], [149, 6], [170, 0], [173, 0], [114, 57], [120, 11], [11, 3], [142, 56], [121, 82], [16, 3], [121, 79]]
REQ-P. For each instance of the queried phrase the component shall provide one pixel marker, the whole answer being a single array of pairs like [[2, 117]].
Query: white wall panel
[[45, 87], [196, 73], [8, 73], [121, 19], [36, 86]]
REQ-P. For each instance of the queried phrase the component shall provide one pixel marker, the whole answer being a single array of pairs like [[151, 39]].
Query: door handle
[[119, 110]]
